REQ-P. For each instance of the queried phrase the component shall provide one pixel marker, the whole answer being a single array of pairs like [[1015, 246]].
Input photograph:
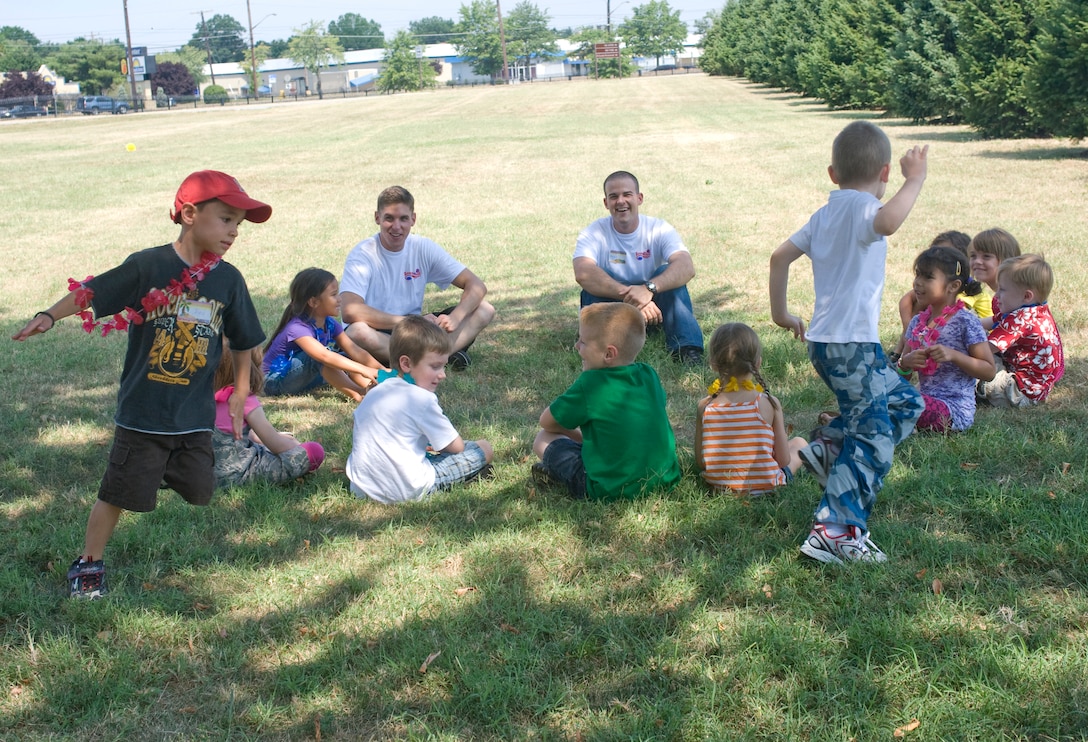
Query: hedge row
[[1008, 68]]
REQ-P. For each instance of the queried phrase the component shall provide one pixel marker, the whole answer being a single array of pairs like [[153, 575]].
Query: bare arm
[[977, 362], [237, 403], [768, 405], [781, 260], [892, 214], [355, 353], [700, 460], [354, 309], [326, 357], [473, 291], [548, 424], [270, 438], [65, 307], [596, 281], [457, 445]]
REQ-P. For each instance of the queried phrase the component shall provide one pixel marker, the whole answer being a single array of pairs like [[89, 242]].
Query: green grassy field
[[298, 612]]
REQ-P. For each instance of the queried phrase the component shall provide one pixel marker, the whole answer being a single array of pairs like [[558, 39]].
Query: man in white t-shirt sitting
[[385, 275], [641, 261]]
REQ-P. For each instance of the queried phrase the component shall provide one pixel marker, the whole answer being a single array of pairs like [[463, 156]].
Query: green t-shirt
[[628, 446]]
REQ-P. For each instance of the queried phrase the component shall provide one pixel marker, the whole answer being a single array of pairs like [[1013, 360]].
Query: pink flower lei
[[926, 336], [155, 298]]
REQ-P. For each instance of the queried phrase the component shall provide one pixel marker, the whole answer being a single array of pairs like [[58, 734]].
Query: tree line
[[1007, 68], [653, 30]]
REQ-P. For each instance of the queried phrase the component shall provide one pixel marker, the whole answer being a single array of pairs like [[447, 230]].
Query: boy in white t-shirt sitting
[[403, 446]]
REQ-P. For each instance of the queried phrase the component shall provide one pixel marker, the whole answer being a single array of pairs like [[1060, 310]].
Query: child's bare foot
[[825, 417]]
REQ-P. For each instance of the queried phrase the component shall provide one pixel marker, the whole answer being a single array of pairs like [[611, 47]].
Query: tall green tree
[[433, 30], [654, 30], [587, 40], [528, 33], [479, 40], [95, 65], [402, 69], [19, 50], [314, 49], [356, 32], [925, 74], [996, 40], [1058, 78], [225, 36]]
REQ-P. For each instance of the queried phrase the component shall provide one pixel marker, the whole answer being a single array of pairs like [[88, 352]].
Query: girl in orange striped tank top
[[741, 442]]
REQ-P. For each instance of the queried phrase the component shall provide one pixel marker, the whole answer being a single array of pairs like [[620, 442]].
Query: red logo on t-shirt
[[409, 275], [645, 255]]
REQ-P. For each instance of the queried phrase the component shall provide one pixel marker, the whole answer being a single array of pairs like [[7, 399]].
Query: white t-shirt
[[393, 282], [848, 259], [394, 424], [629, 258]]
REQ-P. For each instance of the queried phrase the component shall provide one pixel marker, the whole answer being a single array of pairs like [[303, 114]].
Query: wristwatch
[[652, 287]]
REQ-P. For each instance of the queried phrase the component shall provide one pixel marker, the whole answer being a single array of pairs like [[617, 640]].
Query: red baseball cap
[[204, 185]]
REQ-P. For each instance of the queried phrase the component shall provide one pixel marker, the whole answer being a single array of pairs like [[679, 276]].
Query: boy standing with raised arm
[[845, 240], [608, 436], [177, 302]]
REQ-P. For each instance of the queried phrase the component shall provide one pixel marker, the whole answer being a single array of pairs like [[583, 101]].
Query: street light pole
[[252, 55]]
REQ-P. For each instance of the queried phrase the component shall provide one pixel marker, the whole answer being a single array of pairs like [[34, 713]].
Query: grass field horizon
[[299, 612]]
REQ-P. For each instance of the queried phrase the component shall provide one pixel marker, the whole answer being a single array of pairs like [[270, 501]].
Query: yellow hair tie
[[733, 386]]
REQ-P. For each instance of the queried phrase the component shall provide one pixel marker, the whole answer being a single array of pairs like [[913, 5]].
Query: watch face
[[652, 287]]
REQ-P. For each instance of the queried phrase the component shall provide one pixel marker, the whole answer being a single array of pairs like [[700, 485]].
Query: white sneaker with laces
[[853, 546]]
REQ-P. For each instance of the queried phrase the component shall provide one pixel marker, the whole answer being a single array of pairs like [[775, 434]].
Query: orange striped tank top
[[738, 448]]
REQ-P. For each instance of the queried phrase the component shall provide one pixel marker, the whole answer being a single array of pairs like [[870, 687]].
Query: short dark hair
[[616, 176], [953, 263], [396, 195]]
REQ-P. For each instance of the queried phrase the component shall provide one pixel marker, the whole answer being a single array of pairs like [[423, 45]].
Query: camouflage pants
[[878, 409], [242, 461]]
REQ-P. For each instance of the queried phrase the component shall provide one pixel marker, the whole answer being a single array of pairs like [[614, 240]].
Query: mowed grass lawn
[[498, 610]]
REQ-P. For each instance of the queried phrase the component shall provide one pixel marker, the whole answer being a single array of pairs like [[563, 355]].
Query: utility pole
[[502, 38], [128, 55], [252, 55], [207, 44]]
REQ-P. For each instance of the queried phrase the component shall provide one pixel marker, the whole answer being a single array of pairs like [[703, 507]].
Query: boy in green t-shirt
[[608, 436]]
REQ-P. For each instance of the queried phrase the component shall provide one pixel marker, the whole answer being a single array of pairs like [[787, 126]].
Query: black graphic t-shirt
[[167, 380]]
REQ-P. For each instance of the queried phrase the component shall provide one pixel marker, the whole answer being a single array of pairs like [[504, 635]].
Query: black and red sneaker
[[87, 579]]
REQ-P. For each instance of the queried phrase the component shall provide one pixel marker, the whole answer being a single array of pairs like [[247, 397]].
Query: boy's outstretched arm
[[892, 214], [237, 402], [44, 321], [781, 260]]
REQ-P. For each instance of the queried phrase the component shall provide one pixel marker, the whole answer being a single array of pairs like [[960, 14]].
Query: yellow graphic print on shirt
[[183, 330]]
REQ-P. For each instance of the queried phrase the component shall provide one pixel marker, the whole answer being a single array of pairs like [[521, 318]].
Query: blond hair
[[1030, 272], [617, 324], [859, 152], [415, 336]]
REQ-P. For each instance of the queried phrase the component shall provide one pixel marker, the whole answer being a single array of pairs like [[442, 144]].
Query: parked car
[[5, 113], [25, 111], [93, 105]]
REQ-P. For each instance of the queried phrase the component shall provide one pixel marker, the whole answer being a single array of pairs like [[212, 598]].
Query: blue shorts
[[563, 462]]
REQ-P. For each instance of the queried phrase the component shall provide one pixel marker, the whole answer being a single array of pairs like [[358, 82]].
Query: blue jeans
[[302, 374], [877, 410], [677, 315]]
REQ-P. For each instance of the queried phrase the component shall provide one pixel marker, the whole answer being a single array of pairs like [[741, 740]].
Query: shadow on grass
[[1069, 152]]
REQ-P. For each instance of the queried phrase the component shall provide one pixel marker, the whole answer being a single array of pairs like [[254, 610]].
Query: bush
[[215, 94]]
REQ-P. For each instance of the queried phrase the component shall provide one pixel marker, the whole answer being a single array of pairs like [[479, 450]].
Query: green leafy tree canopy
[[95, 65], [528, 32], [356, 32], [433, 30], [654, 30], [479, 40], [314, 49], [225, 36], [403, 70]]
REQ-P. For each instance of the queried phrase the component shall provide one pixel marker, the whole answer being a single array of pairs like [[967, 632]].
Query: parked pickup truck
[[96, 104]]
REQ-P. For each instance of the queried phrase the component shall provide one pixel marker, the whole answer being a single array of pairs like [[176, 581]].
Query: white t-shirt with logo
[[629, 258], [393, 282]]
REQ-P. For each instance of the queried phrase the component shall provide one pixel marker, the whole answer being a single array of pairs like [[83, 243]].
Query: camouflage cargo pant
[[242, 461], [878, 409]]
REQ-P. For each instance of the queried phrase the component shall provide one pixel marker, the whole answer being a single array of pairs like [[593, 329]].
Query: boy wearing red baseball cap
[[177, 301]]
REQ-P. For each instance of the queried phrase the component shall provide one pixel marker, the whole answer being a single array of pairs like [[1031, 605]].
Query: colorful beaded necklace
[[926, 335]]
